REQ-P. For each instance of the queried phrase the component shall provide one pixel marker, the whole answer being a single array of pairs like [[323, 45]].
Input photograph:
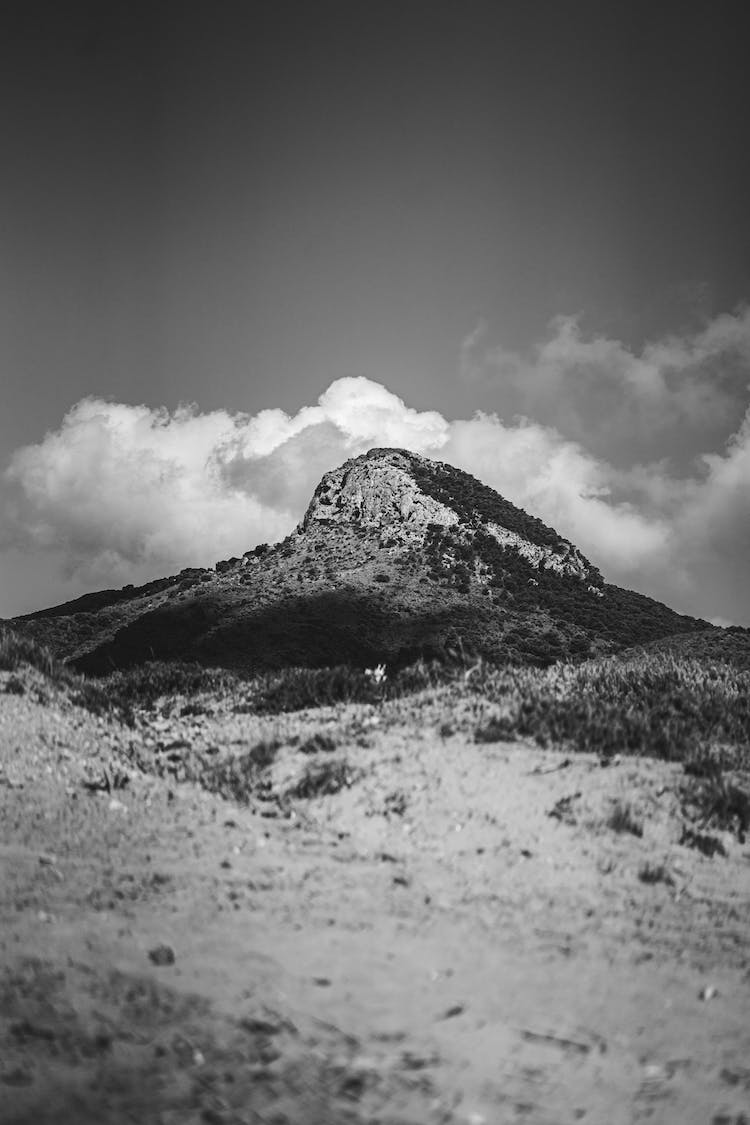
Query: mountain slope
[[397, 556]]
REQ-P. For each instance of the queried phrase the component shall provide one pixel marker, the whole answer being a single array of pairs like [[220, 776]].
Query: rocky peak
[[398, 494], [378, 491]]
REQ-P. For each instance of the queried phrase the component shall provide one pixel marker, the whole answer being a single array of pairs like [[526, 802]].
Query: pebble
[[451, 1013], [161, 955]]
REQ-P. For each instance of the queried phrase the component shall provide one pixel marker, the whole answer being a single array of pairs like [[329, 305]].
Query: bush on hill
[[472, 500], [17, 650], [647, 705], [651, 704]]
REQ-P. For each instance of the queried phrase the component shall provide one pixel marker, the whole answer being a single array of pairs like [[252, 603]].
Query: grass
[[717, 800], [145, 684], [17, 651], [293, 689], [693, 711], [318, 743], [240, 778], [703, 842], [623, 819], [652, 873], [652, 705], [272, 693], [246, 776], [322, 779], [121, 692]]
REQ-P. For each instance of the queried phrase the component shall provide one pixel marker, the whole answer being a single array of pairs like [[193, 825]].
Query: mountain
[[396, 557]]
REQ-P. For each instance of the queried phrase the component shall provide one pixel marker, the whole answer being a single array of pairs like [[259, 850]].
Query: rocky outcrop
[[568, 560], [377, 492]]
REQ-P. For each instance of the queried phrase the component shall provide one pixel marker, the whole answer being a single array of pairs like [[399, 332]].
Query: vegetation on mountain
[[730, 646], [370, 576], [100, 600], [474, 502]]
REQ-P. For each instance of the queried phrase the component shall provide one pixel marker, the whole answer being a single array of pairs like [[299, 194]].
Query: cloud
[[712, 527], [556, 479], [675, 398], [684, 539], [126, 492], [352, 416], [118, 486]]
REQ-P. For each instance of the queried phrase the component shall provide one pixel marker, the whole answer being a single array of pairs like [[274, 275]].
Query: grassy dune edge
[[650, 703]]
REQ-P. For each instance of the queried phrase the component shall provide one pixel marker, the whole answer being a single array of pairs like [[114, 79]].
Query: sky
[[241, 242]]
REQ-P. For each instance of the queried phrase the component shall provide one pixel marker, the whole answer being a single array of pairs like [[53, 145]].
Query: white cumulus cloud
[[125, 490]]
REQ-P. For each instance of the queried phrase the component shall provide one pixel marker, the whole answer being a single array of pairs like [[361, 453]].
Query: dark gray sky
[[238, 203]]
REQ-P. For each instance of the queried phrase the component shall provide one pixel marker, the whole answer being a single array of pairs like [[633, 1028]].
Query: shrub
[[651, 705], [322, 779], [17, 650], [655, 873], [144, 684], [623, 819], [293, 689], [702, 842], [239, 778], [225, 565], [719, 801], [318, 743]]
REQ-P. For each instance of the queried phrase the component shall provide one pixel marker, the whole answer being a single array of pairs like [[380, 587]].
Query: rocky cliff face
[[565, 560], [383, 491], [377, 491]]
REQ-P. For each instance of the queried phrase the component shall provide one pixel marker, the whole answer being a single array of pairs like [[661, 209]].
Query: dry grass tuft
[[651, 873], [17, 652], [648, 705], [623, 819]]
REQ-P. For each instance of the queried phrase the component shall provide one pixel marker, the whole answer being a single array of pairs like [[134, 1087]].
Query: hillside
[[396, 557], [727, 646]]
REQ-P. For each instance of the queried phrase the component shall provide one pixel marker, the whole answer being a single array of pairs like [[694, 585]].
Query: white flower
[[377, 675]]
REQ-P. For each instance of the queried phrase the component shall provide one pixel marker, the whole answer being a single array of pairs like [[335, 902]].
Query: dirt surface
[[458, 934]]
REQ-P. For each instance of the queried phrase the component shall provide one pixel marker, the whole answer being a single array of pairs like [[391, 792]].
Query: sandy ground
[[427, 945]]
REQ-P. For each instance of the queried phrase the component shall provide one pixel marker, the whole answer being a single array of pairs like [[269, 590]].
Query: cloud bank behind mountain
[[643, 460]]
